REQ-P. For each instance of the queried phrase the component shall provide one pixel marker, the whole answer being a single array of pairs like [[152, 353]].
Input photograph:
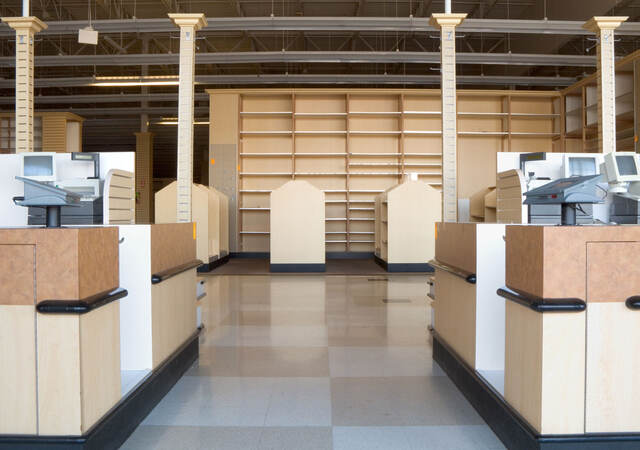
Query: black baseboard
[[213, 263], [514, 432], [403, 267], [118, 424], [290, 268], [329, 255], [349, 255], [261, 255]]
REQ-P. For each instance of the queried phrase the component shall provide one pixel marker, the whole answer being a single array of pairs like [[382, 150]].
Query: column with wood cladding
[[26, 28], [189, 24]]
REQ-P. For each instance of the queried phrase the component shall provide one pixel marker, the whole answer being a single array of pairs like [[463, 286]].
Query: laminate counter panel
[[456, 245], [17, 274], [71, 263], [172, 244], [550, 261]]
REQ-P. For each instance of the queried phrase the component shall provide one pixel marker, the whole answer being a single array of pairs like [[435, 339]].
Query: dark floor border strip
[[159, 277], [82, 306], [506, 423], [543, 305], [213, 263], [280, 268], [115, 427]]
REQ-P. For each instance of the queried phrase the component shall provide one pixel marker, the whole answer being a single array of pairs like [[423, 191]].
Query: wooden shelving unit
[[354, 144], [580, 114]]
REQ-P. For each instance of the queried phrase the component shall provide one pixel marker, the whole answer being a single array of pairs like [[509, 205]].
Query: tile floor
[[314, 362]]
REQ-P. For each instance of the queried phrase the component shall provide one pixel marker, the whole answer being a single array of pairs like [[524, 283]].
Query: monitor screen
[[626, 165], [38, 166], [582, 166]]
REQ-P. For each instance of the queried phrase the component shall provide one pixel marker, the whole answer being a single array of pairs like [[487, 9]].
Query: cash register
[[570, 193], [41, 167]]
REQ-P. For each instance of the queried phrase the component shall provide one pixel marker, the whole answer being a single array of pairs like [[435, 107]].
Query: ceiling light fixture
[[170, 80]]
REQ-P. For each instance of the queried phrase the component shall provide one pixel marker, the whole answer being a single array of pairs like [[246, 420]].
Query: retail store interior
[[316, 224]]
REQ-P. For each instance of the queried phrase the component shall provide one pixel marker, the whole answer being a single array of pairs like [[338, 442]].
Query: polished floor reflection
[[314, 362]]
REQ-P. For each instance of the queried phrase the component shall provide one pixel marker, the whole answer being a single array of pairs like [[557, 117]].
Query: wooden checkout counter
[[571, 316], [62, 328]]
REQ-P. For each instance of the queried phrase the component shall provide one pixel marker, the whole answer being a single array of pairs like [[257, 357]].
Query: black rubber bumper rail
[[467, 276], [177, 270], [81, 306], [633, 302], [543, 305]]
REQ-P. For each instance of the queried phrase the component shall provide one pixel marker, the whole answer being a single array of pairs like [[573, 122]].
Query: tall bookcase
[[355, 143]]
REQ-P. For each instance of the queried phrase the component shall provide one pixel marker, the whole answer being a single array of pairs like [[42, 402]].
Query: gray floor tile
[[377, 336], [262, 362], [299, 438], [469, 437], [399, 401], [275, 336], [193, 438], [382, 362], [226, 401]]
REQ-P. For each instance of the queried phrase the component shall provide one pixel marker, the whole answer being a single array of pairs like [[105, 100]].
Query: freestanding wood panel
[[208, 209], [406, 224], [297, 226]]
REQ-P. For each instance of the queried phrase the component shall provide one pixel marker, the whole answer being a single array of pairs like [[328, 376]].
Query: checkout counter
[[566, 322], [82, 360]]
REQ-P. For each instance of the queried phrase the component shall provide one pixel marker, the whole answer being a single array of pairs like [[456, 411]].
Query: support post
[[188, 24], [447, 24], [26, 28], [144, 177], [603, 27]]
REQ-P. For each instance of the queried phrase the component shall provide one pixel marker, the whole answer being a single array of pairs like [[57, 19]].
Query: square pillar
[[189, 24], [447, 24], [26, 28], [144, 177], [603, 28]]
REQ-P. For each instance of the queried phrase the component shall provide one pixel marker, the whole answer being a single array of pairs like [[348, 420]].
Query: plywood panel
[[523, 363], [612, 394], [563, 373], [59, 395], [455, 314], [18, 408], [100, 362], [173, 312]]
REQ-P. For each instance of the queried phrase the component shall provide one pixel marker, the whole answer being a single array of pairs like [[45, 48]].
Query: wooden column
[[603, 28], [189, 24], [144, 177], [26, 28], [447, 24]]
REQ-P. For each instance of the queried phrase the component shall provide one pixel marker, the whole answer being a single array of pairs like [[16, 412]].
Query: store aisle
[[314, 362]]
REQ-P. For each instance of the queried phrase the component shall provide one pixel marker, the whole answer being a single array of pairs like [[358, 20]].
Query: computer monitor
[[621, 167], [39, 166], [580, 165]]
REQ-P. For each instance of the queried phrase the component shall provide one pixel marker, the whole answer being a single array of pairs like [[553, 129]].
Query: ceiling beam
[[301, 23], [351, 79], [522, 59], [104, 98]]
